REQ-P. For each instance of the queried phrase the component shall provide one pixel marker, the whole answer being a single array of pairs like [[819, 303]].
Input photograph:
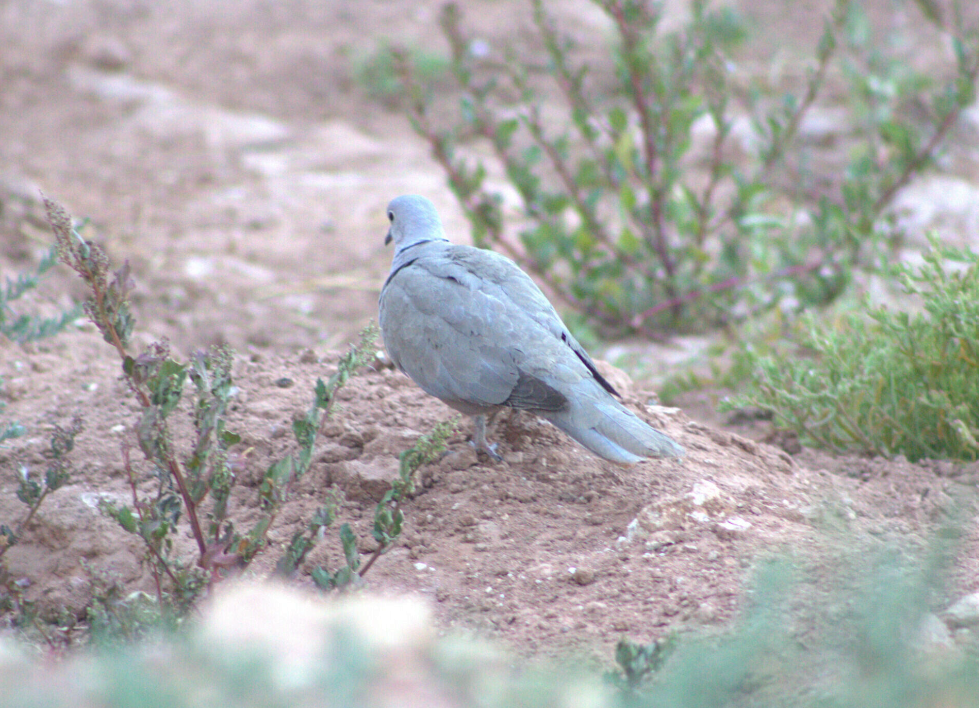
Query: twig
[[641, 102], [30, 515], [471, 199], [127, 465], [570, 86], [727, 284], [571, 187], [928, 150]]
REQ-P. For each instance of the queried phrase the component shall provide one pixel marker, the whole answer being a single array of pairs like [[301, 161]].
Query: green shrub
[[896, 383]]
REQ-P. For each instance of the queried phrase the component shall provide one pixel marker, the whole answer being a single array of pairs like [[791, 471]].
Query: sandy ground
[[230, 157]]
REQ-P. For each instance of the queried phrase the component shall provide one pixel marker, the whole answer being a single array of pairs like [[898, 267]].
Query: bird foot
[[490, 450], [479, 439]]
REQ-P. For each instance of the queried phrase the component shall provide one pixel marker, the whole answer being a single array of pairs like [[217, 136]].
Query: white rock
[[964, 613], [934, 634], [703, 492]]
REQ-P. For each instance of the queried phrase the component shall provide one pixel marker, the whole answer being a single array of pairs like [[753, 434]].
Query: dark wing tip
[[601, 379], [531, 393], [589, 364]]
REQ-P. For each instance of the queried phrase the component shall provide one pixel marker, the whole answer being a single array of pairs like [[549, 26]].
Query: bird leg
[[479, 438]]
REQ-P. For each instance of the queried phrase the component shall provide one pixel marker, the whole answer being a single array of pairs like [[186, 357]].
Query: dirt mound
[[553, 547]]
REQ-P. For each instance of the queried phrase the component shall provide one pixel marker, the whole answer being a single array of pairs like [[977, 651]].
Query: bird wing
[[454, 321], [525, 297]]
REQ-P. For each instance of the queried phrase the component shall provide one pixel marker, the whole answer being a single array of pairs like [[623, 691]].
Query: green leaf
[[323, 516], [350, 551], [322, 395], [13, 430], [627, 198], [124, 516], [761, 222], [343, 577], [618, 119], [28, 491], [303, 430], [55, 477], [274, 482], [229, 438], [258, 530], [505, 131], [323, 579], [394, 530], [931, 10]]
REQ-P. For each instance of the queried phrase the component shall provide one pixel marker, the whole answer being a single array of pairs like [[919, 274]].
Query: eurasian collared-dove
[[474, 330]]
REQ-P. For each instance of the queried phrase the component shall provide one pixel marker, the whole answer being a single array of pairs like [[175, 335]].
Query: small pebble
[[583, 576]]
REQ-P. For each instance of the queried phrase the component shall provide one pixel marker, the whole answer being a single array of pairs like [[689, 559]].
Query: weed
[[27, 328], [638, 662], [116, 616], [196, 484], [32, 490], [11, 430]]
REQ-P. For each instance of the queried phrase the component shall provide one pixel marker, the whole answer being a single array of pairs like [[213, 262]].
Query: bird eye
[[391, 216]]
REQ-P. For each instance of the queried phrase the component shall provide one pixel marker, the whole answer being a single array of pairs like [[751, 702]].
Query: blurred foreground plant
[[871, 636], [619, 212], [897, 383]]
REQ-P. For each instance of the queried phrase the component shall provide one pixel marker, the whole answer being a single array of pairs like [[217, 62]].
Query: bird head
[[413, 220]]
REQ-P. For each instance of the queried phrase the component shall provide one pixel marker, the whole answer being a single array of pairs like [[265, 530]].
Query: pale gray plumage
[[471, 328]]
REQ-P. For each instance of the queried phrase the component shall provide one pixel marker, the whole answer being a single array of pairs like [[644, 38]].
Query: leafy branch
[[32, 491], [25, 328]]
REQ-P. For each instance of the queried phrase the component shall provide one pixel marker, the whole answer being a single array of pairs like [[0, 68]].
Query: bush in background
[[888, 383], [625, 221]]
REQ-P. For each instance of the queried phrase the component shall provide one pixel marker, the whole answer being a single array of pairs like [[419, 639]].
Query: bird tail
[[609, 429]]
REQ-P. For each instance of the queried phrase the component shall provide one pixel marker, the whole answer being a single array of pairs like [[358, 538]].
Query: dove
[[472, 329]]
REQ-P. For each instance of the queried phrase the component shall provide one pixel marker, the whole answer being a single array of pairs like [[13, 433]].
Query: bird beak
[[387, 239]]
